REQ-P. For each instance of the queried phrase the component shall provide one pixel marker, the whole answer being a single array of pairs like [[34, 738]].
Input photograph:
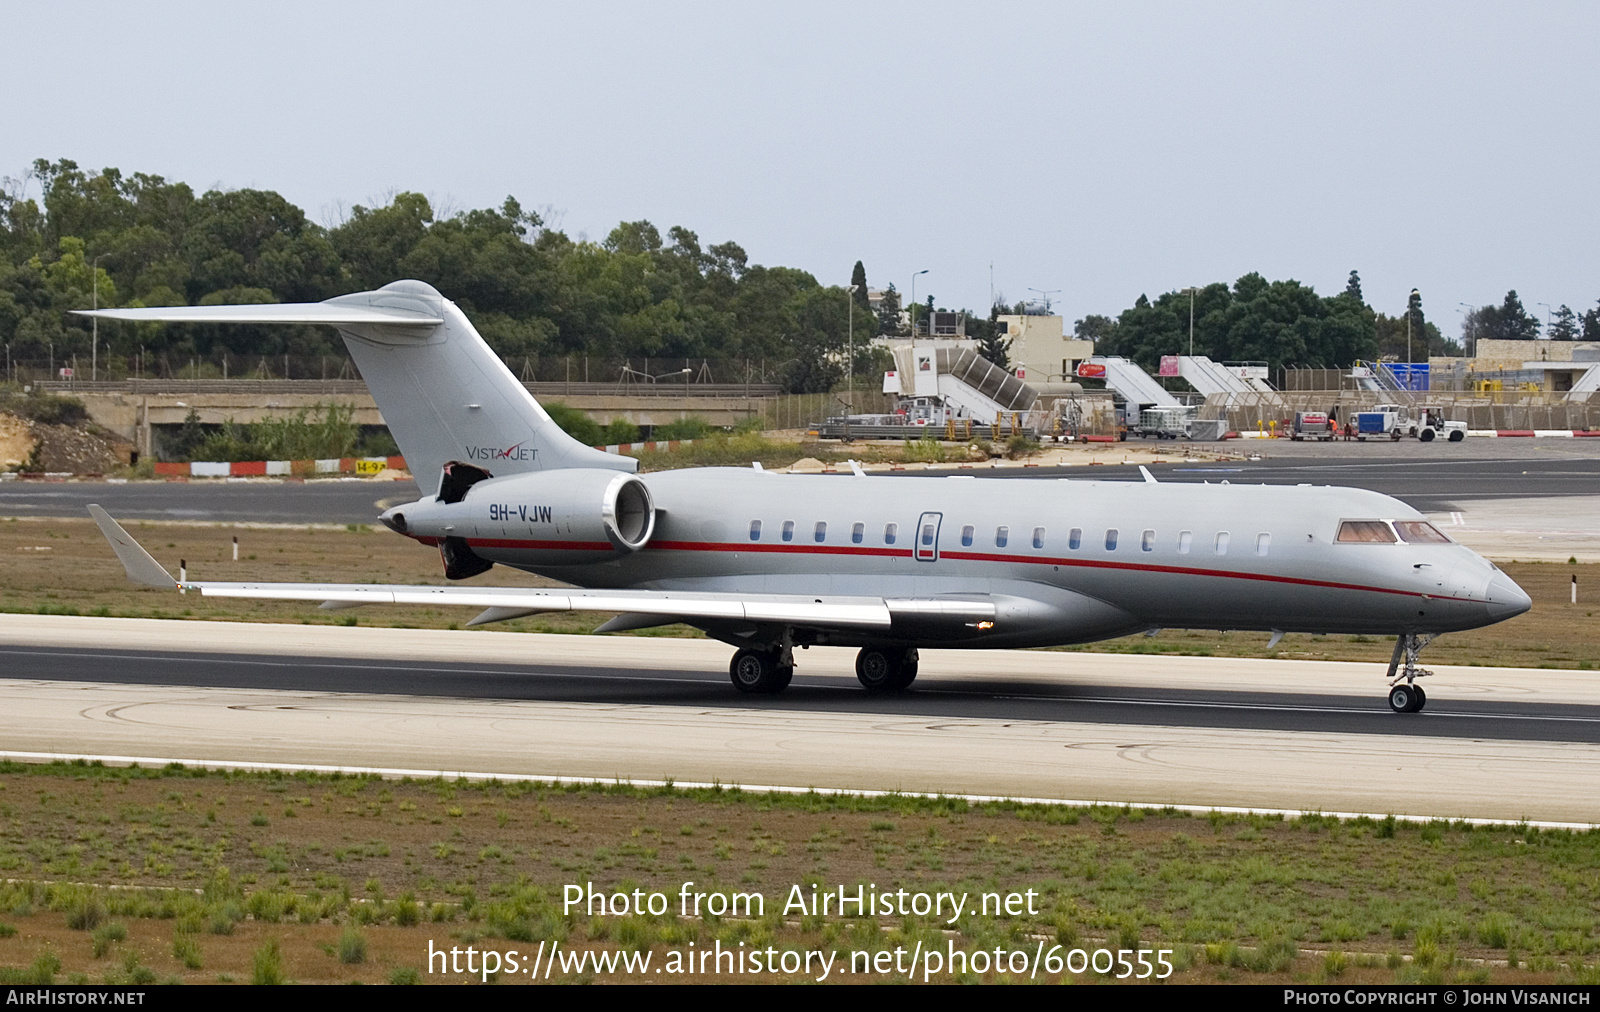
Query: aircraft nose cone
[[1506, 599]]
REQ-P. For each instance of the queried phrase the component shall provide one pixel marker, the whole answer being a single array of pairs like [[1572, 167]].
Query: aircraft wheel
[[1422, 699], [908, 670], [757, 672], [1403, 699], [878, 668]]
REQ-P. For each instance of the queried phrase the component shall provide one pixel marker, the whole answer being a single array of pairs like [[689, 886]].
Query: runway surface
[[1434, 482], [1493, 743]]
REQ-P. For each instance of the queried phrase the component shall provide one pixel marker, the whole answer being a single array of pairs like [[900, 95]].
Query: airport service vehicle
[[1395, 421], [1311, 425], [1430, 424], [770, 562]]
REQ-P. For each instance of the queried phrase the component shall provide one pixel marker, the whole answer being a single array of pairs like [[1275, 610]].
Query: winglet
[[140, 566], [1149, 478]]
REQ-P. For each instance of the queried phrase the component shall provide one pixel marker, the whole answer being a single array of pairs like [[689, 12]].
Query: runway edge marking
[[390, 773]]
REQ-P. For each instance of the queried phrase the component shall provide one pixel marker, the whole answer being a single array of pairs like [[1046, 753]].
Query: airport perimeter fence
[[546, 374], [1513, 411]]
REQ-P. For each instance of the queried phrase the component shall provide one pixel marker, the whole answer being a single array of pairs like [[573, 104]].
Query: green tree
[[1564, 325], [1509, 321], [1591, 324], [858, 278], [889, 312], [1352, 288]]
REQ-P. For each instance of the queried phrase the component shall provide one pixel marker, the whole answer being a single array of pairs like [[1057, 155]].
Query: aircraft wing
[[502, 603]]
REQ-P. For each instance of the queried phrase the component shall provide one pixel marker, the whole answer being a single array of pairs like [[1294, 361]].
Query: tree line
[[1286, 323], [531, 290]]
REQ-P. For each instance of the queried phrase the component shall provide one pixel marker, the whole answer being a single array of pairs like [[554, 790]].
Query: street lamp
[[1546, 306], [914, 304], [850, 352], [1470, 325], [1191, 291], [94, 341]]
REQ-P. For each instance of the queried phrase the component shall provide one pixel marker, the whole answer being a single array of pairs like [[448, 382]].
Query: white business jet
[[767, 562]]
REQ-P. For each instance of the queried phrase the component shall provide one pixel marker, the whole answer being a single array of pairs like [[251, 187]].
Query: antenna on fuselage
[[1149, 479]]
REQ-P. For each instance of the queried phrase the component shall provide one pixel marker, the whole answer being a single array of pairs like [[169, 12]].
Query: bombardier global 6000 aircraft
[[767, 562]]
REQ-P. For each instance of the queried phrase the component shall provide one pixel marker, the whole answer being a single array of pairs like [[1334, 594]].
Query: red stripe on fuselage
[[905, 553]]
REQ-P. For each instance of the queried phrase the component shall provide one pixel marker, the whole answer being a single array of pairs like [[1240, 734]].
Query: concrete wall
[[131, 414]]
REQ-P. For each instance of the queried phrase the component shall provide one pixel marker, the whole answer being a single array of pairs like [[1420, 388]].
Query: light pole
[[94, 340], [914, 304], [1191, 291], [850, 354], [1546, 306], [1469, 322]]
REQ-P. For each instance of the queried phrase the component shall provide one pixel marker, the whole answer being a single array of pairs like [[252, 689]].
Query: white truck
[[1424, 423]]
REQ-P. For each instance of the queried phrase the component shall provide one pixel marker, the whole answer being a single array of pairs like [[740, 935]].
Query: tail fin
[[443, 393]]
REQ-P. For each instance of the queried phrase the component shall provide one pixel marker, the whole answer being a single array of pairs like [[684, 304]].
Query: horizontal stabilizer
[[288, 312]]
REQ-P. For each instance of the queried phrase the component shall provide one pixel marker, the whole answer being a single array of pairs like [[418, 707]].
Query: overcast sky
[[1101, 150]]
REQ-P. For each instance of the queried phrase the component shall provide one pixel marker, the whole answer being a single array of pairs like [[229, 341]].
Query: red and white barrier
[[254, 468], [642, 447]]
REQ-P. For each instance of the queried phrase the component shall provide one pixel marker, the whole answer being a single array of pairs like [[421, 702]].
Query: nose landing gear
[[1405, 696]]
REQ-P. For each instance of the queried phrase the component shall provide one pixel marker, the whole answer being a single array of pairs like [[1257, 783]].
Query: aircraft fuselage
[[1066, 561]]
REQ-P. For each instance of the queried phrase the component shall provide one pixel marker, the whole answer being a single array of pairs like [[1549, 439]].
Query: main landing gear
[[1405, 696], [766, 671], [762, 672], [886, 669]]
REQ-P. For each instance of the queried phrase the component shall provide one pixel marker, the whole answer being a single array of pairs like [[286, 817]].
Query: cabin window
[[1185, 540], [755, 530], [1372, 532], [890, 532], [1263, 543], [821, 534], [1038, 537], [858, 531], [1001, 536], [1419, 532], [1074, 539], [1111, 539], [1222, 542], [788, 530], [1147, 541], [966, 536], [927, 535]]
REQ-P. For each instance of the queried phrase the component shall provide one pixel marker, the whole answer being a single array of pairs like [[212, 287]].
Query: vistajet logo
[[521, 451]]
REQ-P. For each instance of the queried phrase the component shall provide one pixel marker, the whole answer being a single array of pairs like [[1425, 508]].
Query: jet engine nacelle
[[548, 518]]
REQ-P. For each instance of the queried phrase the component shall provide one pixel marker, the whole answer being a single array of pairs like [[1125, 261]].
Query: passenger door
[[927, 535]]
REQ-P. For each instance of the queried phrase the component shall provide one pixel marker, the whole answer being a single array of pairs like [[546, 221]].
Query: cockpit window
[[1367, 532], [1419, 532]]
